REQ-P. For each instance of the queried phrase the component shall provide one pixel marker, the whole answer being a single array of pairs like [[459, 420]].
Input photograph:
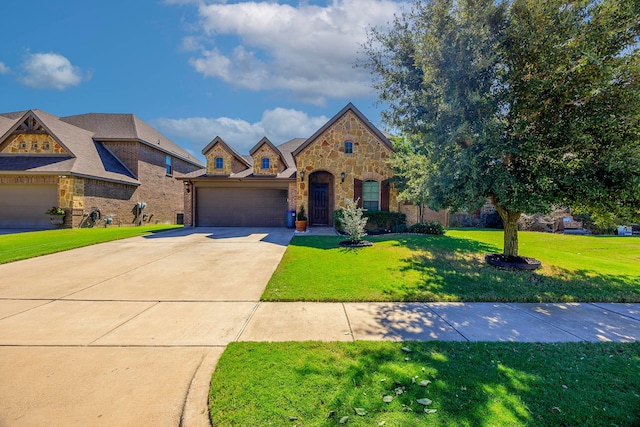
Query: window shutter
[[357, 191], [384, 195]]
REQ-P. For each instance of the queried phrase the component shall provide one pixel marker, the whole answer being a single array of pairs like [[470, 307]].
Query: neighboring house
[[345, 159], [94, 166]]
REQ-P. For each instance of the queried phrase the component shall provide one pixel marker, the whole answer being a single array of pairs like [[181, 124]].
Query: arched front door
[[321, 198]]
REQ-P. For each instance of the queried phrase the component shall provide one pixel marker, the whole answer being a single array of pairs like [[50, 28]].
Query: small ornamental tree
[[353, 221], [531, 104]]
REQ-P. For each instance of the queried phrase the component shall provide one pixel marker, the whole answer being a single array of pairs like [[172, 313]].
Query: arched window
[[348, 147], [266, 163], [371, 195], [219, 163]]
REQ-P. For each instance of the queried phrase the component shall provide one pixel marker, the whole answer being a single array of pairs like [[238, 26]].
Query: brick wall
[[163, 194], [127, 152]]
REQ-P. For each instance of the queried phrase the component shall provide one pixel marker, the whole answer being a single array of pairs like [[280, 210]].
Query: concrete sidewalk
[[301, 321], [129, 332]]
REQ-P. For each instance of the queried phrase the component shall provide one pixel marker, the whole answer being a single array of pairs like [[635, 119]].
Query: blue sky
[[192, 69]]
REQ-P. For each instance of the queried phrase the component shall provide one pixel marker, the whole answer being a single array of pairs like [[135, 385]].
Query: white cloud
[[50, 71], [306, 49], [279, 125], [4, 69]]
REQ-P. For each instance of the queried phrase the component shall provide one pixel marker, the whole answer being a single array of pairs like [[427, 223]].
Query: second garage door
[[24, 205], [241, 207]]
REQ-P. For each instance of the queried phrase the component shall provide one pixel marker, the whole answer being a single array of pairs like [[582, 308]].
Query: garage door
[[23, 206], [241, 207]]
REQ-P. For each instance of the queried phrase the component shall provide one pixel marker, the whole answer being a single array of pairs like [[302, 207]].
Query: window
[[348, 147], [371, 195], [219, 162], [168, 166], [46, 146], [266, 163], [34, 145]]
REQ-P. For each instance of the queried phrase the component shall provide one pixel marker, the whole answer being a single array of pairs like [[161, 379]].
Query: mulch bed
[[515, 262], [360, 244]]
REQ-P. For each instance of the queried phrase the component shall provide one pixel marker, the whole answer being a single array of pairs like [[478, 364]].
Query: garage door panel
[[241, 207], [23, 206]]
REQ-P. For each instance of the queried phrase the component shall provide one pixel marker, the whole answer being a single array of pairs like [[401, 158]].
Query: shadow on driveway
[[276, 235]]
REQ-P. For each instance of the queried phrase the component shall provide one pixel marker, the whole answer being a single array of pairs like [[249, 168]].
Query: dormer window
[[219, 163], [266, 163], [348, 147]]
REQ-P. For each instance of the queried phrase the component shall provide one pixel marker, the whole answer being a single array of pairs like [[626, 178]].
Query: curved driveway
[[128, 332]]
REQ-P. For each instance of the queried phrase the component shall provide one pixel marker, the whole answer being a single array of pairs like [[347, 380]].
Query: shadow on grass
[[472, 384], [453, 269]]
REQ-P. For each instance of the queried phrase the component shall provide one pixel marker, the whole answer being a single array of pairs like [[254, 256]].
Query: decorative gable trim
[[335, 119], [31, 124]]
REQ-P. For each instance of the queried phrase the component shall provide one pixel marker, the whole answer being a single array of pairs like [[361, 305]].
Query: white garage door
[[241, 207], [24, 205]]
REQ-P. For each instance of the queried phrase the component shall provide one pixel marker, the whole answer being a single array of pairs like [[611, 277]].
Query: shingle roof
[[334, 119], [218, 140], [86, 157], [109, 127]]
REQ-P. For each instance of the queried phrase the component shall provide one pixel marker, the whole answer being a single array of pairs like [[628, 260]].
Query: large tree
[[531, 104]]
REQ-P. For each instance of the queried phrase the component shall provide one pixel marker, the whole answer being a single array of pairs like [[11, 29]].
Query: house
[[94, 166], [345, 159]]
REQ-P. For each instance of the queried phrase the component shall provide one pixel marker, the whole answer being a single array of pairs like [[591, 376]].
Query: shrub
[[385, 220], [492, 220], [353, 222], [302, 216], [429, 227], [377, 221], [338, 216]]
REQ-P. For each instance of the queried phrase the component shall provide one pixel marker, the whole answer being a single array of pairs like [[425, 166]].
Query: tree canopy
[[532, 104]]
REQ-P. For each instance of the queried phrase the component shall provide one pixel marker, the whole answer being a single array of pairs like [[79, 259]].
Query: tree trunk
[[510, 220]]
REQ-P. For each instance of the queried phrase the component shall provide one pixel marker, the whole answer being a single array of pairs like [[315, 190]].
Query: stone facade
[[32, 144], [275, 162], [326, 153], [230, 164]]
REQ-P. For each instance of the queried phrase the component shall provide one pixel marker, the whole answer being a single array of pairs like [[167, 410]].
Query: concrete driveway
[[127, 333]]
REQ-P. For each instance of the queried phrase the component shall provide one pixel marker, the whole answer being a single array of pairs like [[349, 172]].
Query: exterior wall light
[[187, 186], [301, 175], [342, 176]]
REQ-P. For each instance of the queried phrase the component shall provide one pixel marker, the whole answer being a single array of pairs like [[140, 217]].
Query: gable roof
[[338, 116], [85, 157], [234, 153], [262, 142], [128, 127]]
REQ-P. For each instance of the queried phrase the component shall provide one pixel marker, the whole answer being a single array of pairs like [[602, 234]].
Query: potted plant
[[301, 220], [56, 215]]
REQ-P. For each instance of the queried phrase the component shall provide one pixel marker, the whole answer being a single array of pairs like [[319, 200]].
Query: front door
[[319, 209]]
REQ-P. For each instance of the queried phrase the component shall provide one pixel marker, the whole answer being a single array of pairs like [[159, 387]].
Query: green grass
[[471, 384], [14, 247], [451, 268]]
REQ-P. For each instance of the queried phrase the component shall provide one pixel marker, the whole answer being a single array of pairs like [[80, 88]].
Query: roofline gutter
[[156, 146]]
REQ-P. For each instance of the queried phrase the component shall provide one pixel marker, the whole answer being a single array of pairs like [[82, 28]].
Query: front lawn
[[464, 384], [14, 247], [451, 268]]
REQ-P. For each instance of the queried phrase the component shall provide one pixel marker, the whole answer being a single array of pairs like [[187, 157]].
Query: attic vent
[[46, 146]]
